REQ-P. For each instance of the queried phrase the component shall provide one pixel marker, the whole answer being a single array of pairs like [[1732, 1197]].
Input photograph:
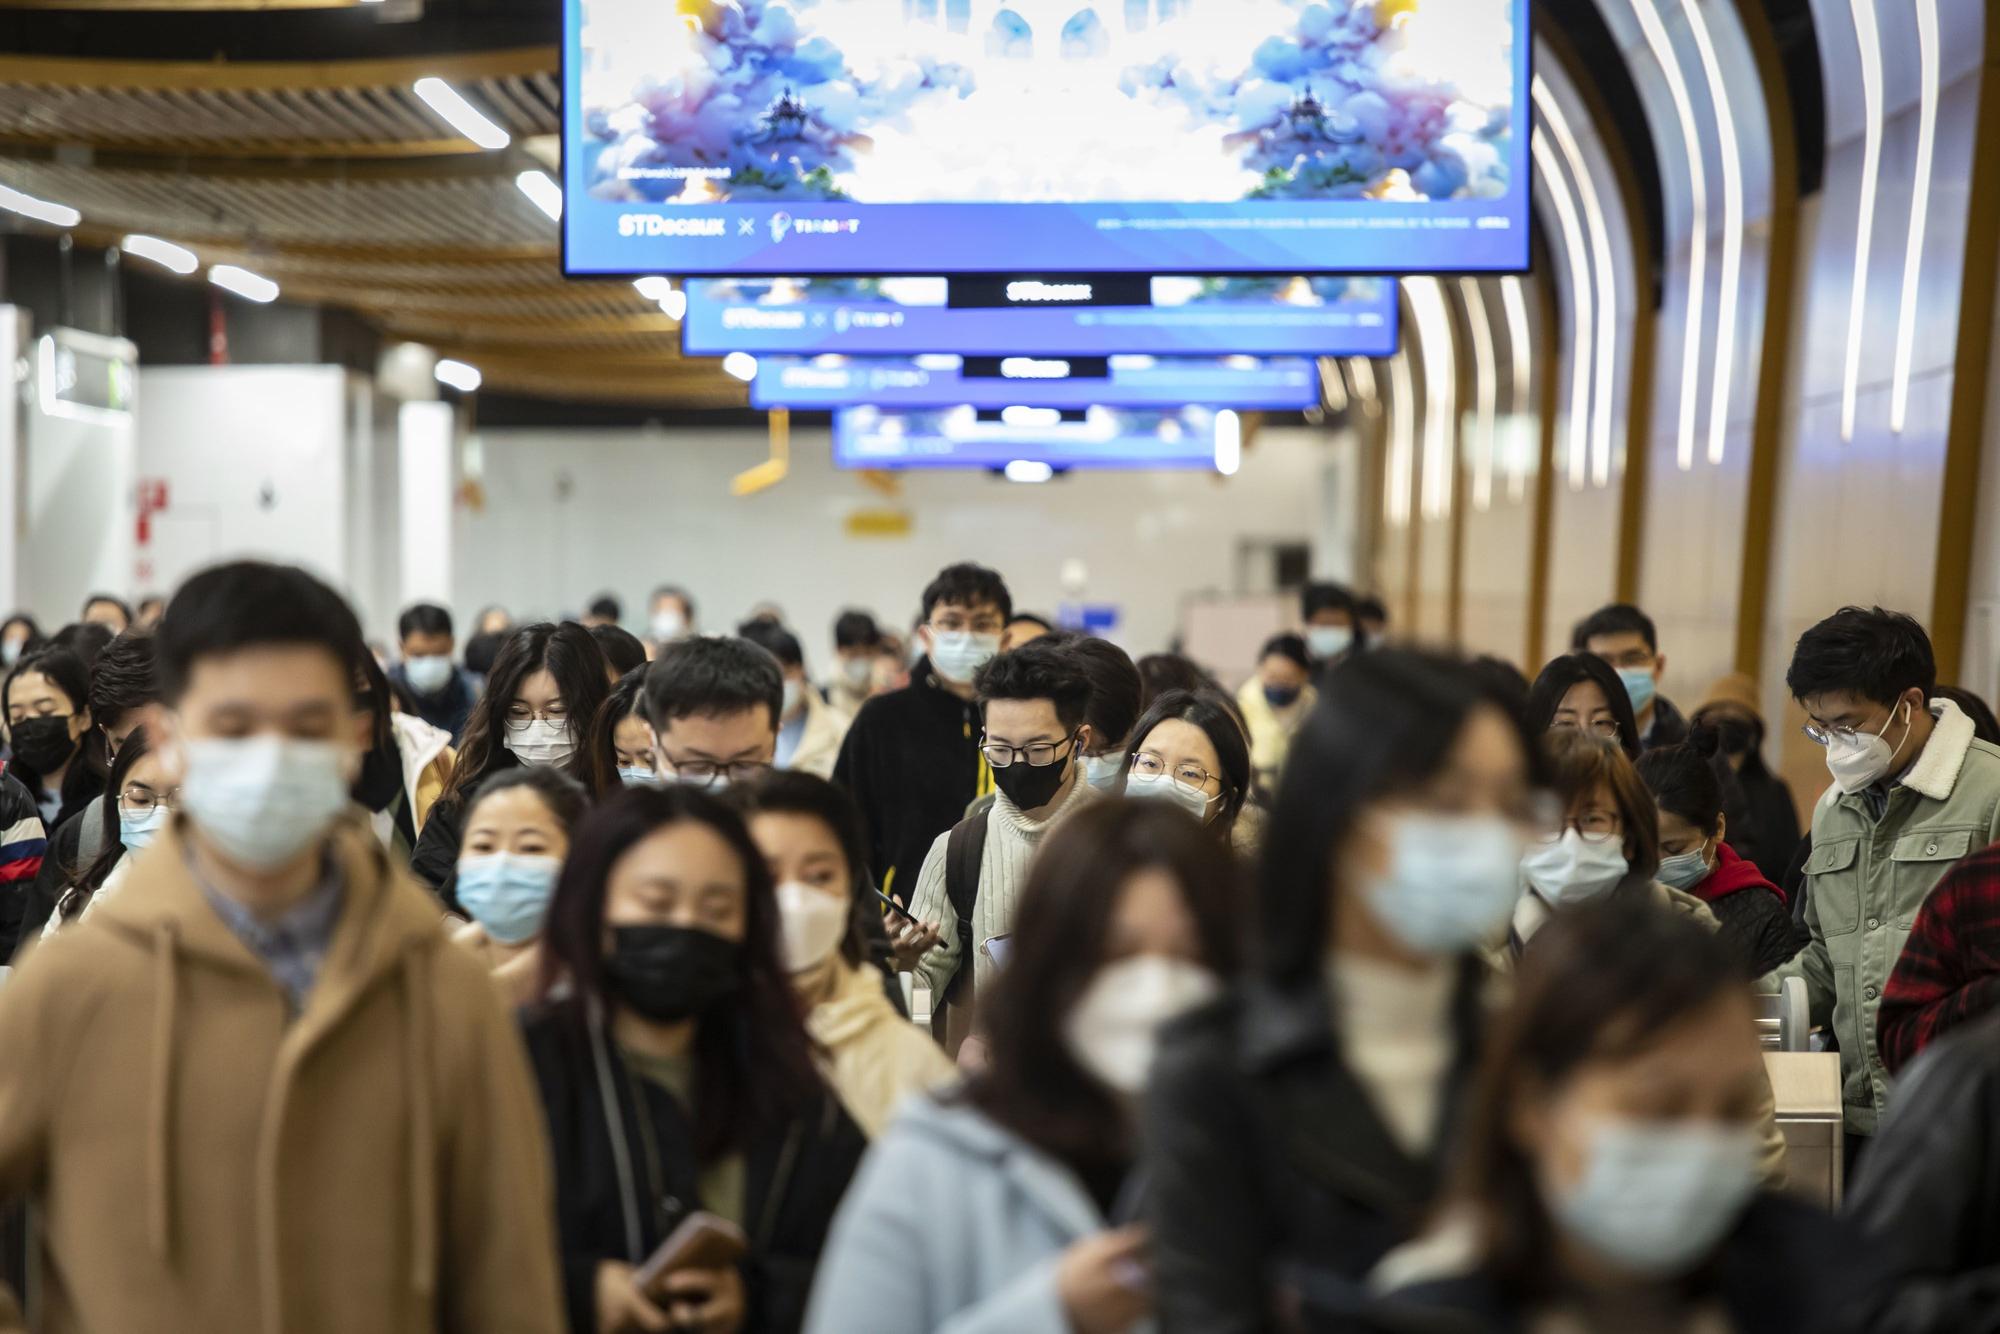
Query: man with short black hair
[[809, 729], [108, 610], [1024, 627], [604, 609], [911, 760], [1333, 623], [1914, 791], [1626, 639], [443, 694], [713, 704], [856, 641], [262, 1057], [1034, 704]]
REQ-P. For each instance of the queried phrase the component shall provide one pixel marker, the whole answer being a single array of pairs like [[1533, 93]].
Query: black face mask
[[381, 779], [1736, 736], [44, 744], [670, 973], [1031, 788]]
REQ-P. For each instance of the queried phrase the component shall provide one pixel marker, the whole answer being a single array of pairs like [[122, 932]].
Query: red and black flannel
[[1949, 972]]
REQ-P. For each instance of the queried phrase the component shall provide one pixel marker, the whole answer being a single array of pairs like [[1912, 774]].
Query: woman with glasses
[[137, 803], [545, 689], [58, 754], [1190, 750], [1581, 693], [1298, 1127]]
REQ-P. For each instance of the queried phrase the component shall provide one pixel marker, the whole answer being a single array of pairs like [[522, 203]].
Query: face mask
[[670, 973], [792, 700], [1639, 685], [43, 744], [958, 654], [1102, 771], [1328, 641], [1656, 1197], [1734, 736], [506, 894], [138, 831], [539, 742], [667, 625], [638, 775], [1573, 869], [1684, 870], [10, 652], [1028, 787], [1452, 881], [1115, 1028], [811, 923], [1282, 697], [1162, 787], [263, 800], [1855, 763], [858, 672], [427, 675]]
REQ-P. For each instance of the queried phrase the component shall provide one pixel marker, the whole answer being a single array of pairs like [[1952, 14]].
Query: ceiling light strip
[[1486, 391], [1581, 308], [1870, 43], [1606, 358], [1440, 394], [1929, 58], [1730, 297]]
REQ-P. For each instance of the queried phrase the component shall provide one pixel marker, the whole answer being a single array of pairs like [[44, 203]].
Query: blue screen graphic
[[1098, 437], [819, 383], [1283, 316], [774, 137]]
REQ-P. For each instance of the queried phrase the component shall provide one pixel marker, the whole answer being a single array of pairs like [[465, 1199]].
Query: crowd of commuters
[[578, 980]]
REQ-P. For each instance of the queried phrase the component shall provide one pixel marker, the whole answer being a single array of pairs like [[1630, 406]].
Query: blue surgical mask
[[637, 775], [1657, 1197], [1685, 870], [1639, 685], [428, 675], [507, 895], [959, 654], [1452, 881], [1103, 771], [138, 831], [1328, 641]]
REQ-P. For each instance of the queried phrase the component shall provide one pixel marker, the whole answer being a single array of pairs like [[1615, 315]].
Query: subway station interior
[[1411, 396]]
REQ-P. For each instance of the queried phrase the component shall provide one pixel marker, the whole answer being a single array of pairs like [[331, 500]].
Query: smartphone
[[702, 1241], [896, 907], [995, 949]]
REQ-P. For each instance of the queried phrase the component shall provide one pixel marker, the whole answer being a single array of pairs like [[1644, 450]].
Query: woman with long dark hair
[[621, 728], [676, 1073], [1581, 693], [58, 755], [137, 803], [1768, 834], [1609, 1175], [517, 832], [1298, 1127], [1010, 1204], [541, 697], [406, 766], [1189, 748]]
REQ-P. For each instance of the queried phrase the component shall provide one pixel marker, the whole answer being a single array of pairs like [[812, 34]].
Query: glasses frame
[[986, 749]]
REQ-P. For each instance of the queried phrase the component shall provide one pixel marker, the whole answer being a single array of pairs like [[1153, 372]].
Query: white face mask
[[427, 675], [811, 924], [263, 800], [1656, 1197], [1861, 761], [958, 654], [1452, 881], [1574, 869], [668, 624], [858, 672], [1101, 771], [1115, 1028], [1162, 787], [542, 741], [1328, 641], [793, 698]]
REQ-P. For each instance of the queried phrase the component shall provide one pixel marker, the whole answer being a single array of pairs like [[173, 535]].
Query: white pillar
[[426, 433]]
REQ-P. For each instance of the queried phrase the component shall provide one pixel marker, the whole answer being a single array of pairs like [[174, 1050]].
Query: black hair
[[1620, 618], [1984, 725], [425, 618], [571, 656], [791, 792], [1371, 608], [626, 698], [1164, 672], [251, 604], [1318, 597], [856, 629], [35, 637], [1048, 626], [753, 1062], [563, 795], [87, 880], [1037, 671], [1211, 711], [1684, 781], [1115, 688], [1292, 648], [606, 606], [968, 585], [681, 595], [86, 639], [125, 678], [1874, 653], [1570, 670], [712, 675], [775, 640], [124, 607], [1386, 723], [482, 649], [66, 672], [1503, 678], [622, 649]]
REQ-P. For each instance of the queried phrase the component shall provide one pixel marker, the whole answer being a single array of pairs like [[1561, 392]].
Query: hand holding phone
[[702, 1241]]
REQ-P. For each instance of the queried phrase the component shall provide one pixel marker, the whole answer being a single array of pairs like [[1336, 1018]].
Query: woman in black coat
[[676, 1074]]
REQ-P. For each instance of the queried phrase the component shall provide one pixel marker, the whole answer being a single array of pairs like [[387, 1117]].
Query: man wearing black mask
[[1032, 702]]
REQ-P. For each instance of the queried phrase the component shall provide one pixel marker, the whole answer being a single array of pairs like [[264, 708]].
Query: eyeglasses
[[952, 622], [1187, 773], [704, 773], [521, 715], [1038, 754], [1825, 734], [141, 800], [1591, 826], [1604, 729]]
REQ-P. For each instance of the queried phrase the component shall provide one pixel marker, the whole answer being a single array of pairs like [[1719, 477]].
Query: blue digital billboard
[[817, 383], [1097, 437], [770, 137]]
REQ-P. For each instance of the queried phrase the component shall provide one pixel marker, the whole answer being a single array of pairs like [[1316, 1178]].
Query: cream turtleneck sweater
[[1395, 1030]]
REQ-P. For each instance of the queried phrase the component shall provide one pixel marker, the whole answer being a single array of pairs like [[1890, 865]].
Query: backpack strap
[[964, 849]]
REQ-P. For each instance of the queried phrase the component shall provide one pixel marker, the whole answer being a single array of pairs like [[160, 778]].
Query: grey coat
[[953, 1226]]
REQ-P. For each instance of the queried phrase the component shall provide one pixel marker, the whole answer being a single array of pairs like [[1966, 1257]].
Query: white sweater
[[1011, 840]]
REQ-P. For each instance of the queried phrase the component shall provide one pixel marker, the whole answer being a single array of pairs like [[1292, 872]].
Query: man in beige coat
[[259, 1091]]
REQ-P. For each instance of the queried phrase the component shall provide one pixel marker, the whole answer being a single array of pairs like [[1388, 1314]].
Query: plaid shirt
[[1949, 971], [294, 946]]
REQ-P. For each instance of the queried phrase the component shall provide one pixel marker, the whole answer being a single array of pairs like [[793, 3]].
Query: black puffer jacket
[[1929, 1190]]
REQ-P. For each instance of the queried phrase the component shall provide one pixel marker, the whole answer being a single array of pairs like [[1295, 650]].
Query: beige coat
[[876, 1058], [819, 746], [201, 1161]]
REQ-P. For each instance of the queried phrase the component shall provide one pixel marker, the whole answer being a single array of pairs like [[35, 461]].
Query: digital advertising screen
[[1280, 384], [1158, 316], [774, 137], [1096, 437]]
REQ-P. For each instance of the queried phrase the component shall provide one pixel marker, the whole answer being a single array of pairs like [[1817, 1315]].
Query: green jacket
[[1866, 879]]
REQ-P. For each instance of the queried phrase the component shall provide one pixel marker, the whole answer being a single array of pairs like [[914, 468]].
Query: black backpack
[[963, 850]]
